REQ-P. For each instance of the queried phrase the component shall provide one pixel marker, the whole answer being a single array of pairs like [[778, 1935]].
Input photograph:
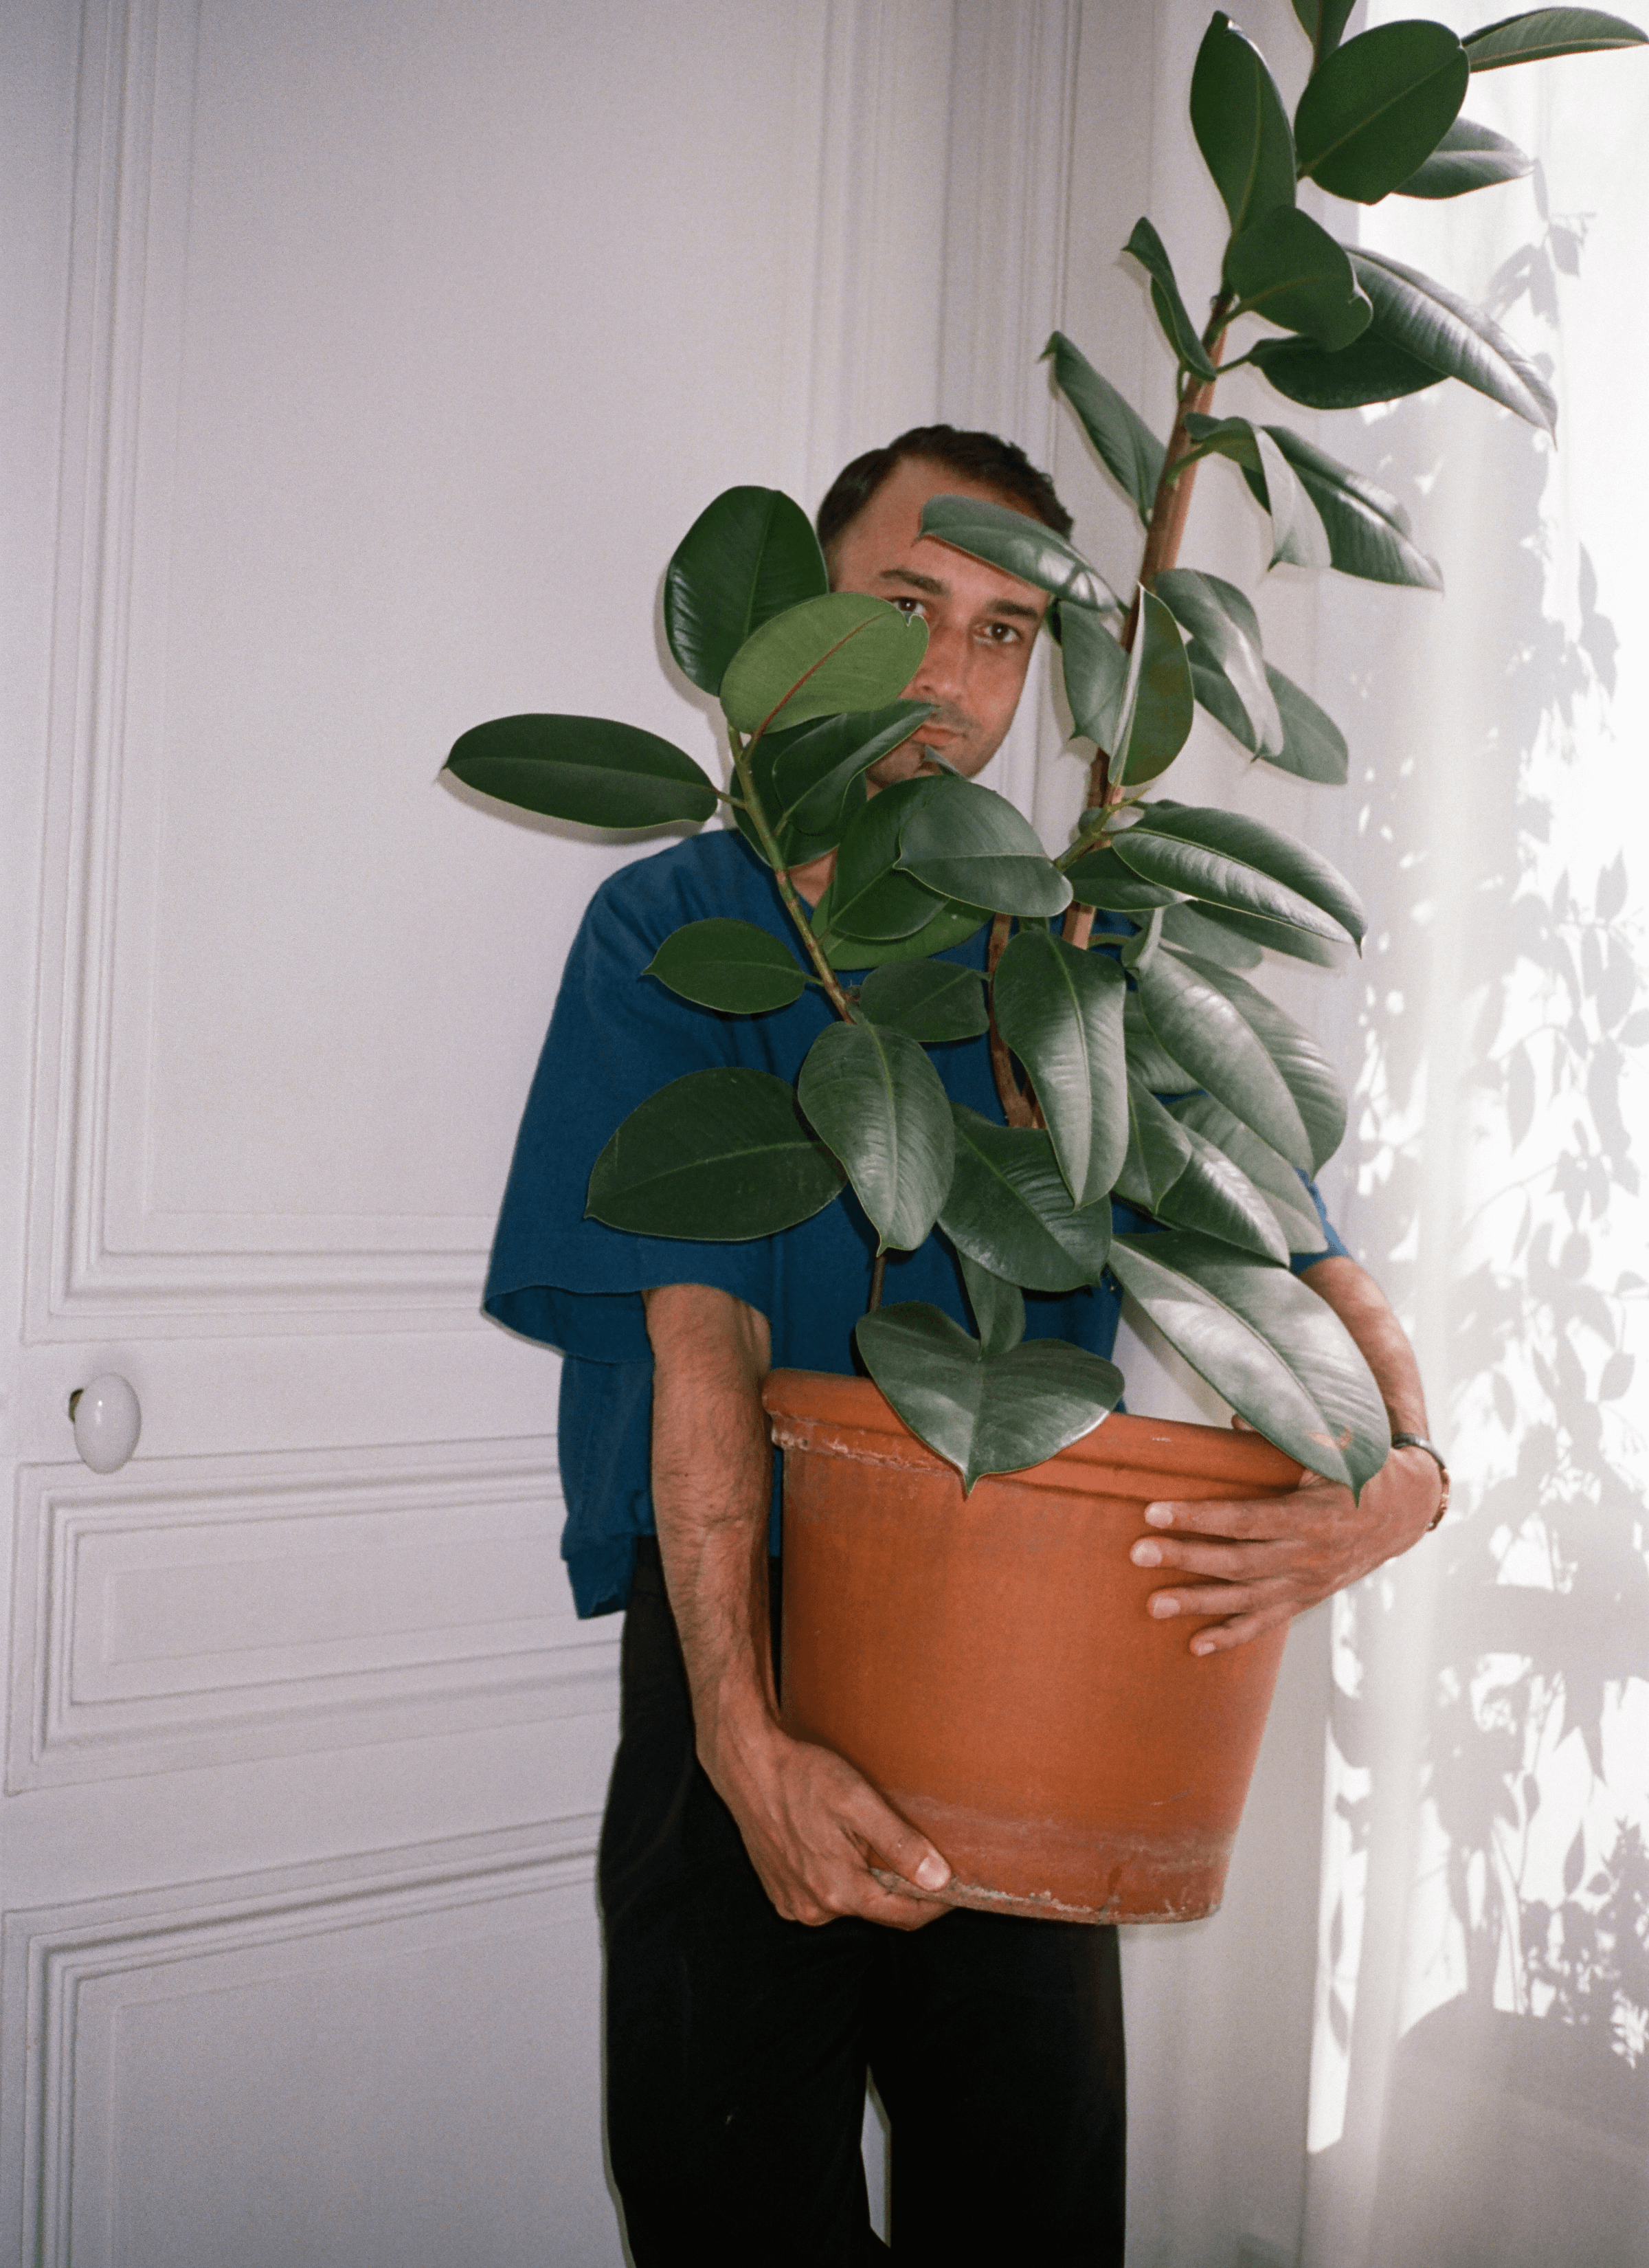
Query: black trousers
[[737, 2043]]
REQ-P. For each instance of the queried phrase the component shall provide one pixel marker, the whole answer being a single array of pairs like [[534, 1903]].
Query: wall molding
[[349, 1538], [55, 2185]]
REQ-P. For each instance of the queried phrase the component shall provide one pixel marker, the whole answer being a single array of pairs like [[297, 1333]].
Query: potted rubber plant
[[952, 1623]]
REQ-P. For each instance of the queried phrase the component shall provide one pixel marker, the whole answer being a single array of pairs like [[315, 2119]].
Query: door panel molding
[[72, 1973], [207, 1610]]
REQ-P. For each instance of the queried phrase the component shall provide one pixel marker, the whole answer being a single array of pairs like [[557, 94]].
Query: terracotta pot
[[987, 1661]]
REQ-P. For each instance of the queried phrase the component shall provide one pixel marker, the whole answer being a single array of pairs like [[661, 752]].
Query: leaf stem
[[877, 1271], [793, 906]]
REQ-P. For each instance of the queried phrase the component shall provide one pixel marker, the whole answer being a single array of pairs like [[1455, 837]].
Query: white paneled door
[[363, 361]]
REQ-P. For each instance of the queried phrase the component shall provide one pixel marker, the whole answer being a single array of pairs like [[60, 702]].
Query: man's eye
[[1002, 634], [909, 606]]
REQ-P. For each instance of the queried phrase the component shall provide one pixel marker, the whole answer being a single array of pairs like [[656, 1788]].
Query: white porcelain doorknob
[[107, 1422]]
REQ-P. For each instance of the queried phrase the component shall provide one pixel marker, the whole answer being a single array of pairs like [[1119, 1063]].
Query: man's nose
[[943, 675]]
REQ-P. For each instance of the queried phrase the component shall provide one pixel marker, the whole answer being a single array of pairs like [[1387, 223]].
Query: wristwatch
[[1419, 1441]]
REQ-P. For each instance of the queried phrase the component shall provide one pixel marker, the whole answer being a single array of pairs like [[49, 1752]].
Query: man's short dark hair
[[984, 458]]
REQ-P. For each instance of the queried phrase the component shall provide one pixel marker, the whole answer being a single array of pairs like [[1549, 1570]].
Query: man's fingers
[[1256, 1515], [904, 1850]]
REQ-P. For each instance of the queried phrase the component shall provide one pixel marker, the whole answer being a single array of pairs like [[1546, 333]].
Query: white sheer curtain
[[1456, 1776]]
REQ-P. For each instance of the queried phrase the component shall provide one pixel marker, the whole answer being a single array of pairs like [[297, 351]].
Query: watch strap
[[1419, 1441]]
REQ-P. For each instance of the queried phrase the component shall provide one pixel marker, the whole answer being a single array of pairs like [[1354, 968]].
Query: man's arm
[[812, 1827], [1285, 1553]]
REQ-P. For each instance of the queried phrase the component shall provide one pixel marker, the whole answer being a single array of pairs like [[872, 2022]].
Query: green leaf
[[1193, 930], [1324, 21], [845, 652], [951, 926], [873, 1097], [1150, 1065], [869, 898], [1290, 272], [1368, 531], [968, 843], [1253, 930], [587, 769], [929, 1000], [1305, 1069], [985, 1413], [1278, 1354], [1216, 1197], [1147, 247], [1273, 1176], [1433, 324], [1378, 106], [730, 965], [1095, 669], [1467, 157], [1371, 369], [1019, 546], [998, 1308], [1224, 633], [1061, 1011], [1313, 746], [1158, 702], [1126, 444], [1009, 1209], [1100, 878], [1158, 1150], [1298, 534], [1233, 860], [815, 764], [1203, 1029], [1241, 127], [747, 557], [716, 1158], [1546, 32]]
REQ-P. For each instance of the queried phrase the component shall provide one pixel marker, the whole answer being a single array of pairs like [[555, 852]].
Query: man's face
[[982, 623]]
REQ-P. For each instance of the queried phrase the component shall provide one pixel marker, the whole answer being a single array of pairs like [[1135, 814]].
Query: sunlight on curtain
[[1480, 2066]]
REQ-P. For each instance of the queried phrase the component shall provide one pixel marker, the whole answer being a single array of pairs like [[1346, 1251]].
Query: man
[[772, 1925]]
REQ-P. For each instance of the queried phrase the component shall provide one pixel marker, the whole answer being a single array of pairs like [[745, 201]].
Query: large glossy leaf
[[815, 764], [1371, 369], [717, 1158], [747, 557], [1150, 1065], [1253, 931], [1214, 1197], [1306, 1072], [1467, 157], [1126, 444], [1379, 106], [1368, 530], [1147, 247], [985, 1413], [1158, 1148], [930, 1000], [1240, 126], [1199, 1025], [1298, 534], [1100, 878], [1193, 929], [998, 1307], [951, 925], [587, 769], [873, 1097], [1274, 1177], [1018, 546], [730, 965], [1324, 21], [1278, 1354], [1061, 1011], [1432, 323], [1224, 633], [845, 652], [1158, 701], [1234, 860], [869, 897], [1289, 270], [969, 843], [1313, 746], [1544, 32], [1009, 1209], [1095, 669]]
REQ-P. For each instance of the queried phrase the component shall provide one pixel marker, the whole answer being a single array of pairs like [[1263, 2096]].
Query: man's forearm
[[1366, 1313]]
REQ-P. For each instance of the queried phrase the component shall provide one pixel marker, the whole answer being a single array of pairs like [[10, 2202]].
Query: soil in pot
[[988, 1663]]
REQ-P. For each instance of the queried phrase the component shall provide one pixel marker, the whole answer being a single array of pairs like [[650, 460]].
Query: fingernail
[[1201, 1645], [934, 1874], [1165, 1604], [1158, 1515], [1145, 1554]]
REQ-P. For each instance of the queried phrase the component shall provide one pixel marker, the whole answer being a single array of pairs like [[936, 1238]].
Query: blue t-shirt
[[615, 1038]]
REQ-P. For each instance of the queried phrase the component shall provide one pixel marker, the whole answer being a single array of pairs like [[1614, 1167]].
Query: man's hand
[[818, 1834], [1266, 1559]]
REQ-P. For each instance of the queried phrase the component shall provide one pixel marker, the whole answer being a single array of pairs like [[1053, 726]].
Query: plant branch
[[793, 906], [1017, 1107]]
